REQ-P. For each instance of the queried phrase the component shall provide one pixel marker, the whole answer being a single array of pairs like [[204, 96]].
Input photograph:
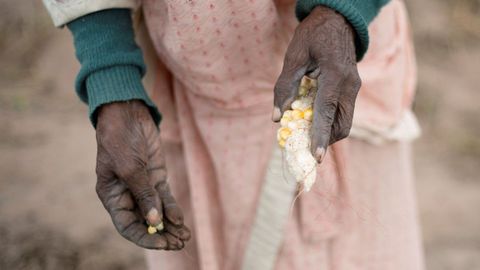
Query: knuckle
[[343, 133], [296, 55], [338, 69], [329, 115], [129, 170], [101, 168], [99, 189], [123, 230], [289, 59], [329, 104], [356, 81], [144, 195]]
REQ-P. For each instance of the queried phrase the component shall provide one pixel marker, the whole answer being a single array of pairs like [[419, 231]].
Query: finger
[[325, 107], [181, 232], [345, 109], [171, 210], [295, 66], [144, 193], [120, 204], [134, 229], [173, 242], [156, 168]]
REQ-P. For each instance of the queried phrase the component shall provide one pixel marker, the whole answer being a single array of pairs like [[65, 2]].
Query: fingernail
[[320, 154], [276, 114], [152, 217]]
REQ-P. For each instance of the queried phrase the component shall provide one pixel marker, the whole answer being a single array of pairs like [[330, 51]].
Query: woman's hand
[[132, 178], [323, 48]]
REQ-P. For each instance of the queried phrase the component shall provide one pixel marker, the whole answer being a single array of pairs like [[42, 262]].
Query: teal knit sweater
[[112, 64]]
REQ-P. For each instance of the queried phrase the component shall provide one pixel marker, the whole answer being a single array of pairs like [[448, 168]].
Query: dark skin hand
[[132, 179], [322, 48]]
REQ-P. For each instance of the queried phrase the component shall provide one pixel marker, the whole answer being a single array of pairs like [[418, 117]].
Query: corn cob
[[294, 135]]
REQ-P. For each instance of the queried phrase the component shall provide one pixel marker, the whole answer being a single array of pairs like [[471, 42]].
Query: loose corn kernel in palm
[[282, 143], [284, 133], [297, 114], [308, 114], [151, 229], [159, 227]]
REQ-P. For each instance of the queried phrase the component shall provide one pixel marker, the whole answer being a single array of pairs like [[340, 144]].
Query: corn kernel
[[309, 83], [297, 114], [284, 133], [292, 125], [282, 143], [302, 90], [308, 114], [296, 105], [159, 227], [151, 230], [284, 121], [288, 114]]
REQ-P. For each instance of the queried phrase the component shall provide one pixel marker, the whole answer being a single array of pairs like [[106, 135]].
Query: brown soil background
[[50, 217]]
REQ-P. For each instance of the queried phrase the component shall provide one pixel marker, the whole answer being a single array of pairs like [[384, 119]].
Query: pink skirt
[[217, 64]]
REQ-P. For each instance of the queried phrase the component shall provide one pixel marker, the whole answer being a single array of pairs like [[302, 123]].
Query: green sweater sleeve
[[358, 12], [112, 64]]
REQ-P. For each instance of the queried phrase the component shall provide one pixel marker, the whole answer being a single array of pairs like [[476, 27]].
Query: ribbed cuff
[[349, 11], [117, 83], [112, 64]]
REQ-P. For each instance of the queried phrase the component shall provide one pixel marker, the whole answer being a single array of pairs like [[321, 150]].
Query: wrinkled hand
[[322, 48], [132, 179]]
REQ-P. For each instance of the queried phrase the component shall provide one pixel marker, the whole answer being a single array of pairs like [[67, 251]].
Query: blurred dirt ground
[[50, 217]]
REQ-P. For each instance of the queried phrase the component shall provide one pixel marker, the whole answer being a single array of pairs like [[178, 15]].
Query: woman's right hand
[[132, 178]]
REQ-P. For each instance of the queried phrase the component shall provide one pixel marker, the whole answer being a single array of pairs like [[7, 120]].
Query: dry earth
[[50, 217]]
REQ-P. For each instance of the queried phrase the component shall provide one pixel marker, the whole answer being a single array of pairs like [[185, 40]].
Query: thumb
[[146, 197], [286, 88]]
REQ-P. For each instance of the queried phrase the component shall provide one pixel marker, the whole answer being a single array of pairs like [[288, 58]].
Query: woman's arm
[[112, 64], [131, 170], [329, 41]]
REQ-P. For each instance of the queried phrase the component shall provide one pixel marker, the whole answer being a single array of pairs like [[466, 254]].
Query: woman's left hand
[[323, 48]]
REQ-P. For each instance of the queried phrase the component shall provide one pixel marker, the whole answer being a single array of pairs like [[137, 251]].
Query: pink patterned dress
[[217, 64]]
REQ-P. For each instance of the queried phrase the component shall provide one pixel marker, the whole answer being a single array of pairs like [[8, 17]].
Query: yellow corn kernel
[[297, 114], [284, 133], [284, 121], [159, 227], [281, 143], [151, 230], [292, 125], [309, 83], [288, 113], [308, 114], [302, 90]]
